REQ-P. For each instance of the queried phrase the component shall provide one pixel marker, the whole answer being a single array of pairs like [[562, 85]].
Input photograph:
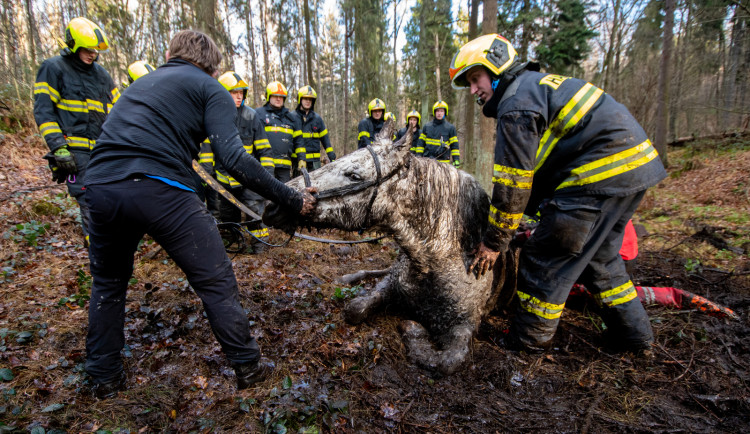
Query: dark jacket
[[254, 140], [367, 129], [284, 131], [71, 101], [565, 137], [159, 123], [439, 141], [416, 148], [314, 134]]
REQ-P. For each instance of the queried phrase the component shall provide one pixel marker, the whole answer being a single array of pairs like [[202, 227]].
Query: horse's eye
[[354, 176]]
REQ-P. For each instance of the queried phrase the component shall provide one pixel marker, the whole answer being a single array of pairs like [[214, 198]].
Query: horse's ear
[[388, 131], [405, 141]]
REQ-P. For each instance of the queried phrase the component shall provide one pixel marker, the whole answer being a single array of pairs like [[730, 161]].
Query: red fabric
[[629, 249], [670, 297]]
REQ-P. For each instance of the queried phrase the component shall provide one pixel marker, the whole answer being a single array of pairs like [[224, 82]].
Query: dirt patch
[[334, 377]]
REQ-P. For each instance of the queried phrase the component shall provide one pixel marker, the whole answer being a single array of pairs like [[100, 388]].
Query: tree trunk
[[470, 151], [437, 68], [347, 37], [611, 46], [733, 61], [264, 39], [486, 152], [421, 55], [35, 45], [253, 57], [308, 44], [526, 34], [660, 139]]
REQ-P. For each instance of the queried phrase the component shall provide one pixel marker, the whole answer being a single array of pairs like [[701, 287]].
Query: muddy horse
[[437, 215]]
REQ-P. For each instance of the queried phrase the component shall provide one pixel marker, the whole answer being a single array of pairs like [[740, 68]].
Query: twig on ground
[[29, 190], [348, 279]]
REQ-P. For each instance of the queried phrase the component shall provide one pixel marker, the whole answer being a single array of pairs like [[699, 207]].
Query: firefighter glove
[[301, 164], [65, 160], [456, 164]]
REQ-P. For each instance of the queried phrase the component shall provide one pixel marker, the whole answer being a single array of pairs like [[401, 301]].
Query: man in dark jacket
[[314, 131], [140, 181], [413, 121], [283, 130], [370, 126], [72, 96], [565, 144], [438, 138]]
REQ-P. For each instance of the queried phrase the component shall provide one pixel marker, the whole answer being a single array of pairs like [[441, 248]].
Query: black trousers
[[578, 240], [121, 213]]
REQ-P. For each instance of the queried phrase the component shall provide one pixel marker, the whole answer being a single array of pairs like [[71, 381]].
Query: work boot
[[252, 372], [109, 389]]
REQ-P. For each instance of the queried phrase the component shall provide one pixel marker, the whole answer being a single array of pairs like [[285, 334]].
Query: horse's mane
[[446, 202]]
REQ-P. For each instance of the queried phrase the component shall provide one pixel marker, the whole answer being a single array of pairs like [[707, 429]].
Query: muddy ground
[[334, 377]]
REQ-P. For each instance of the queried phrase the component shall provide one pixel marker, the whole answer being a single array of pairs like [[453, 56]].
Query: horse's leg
[[348, 279], [359, 308], [420, 350]]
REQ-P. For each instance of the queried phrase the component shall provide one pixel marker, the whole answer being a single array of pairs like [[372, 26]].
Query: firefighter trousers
[[578, 240], [121, 213]]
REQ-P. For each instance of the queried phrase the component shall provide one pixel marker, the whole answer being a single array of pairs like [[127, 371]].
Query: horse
[[437, 215]]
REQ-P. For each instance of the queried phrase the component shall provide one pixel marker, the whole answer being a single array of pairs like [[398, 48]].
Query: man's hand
[[65, 161], [484, 259], [308, 200], [457, 164], [301, 164]]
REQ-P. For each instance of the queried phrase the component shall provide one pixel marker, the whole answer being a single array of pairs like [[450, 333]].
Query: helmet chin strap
[[495, 83]]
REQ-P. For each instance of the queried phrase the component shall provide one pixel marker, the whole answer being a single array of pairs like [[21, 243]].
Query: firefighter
[[314, 131], [565, 144], [255, 142], [72, 97], [136, 70], [372, 124], [414, 121], [140, 181], [438, 138], [283, 130]]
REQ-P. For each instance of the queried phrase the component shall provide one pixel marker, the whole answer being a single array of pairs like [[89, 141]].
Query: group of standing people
[[564, 148]]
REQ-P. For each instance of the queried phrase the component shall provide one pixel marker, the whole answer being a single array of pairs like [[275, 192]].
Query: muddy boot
[[110, 389], [253, 372]]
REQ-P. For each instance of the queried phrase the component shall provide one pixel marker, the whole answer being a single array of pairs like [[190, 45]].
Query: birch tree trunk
[[660, 138]]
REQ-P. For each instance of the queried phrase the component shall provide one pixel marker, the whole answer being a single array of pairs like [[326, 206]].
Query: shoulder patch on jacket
[[552, 80]]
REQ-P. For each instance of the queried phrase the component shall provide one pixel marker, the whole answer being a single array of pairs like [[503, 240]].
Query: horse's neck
[[427, 223]]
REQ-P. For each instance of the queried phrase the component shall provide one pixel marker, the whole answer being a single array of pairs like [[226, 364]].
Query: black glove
[[58, 175], [65, 160]]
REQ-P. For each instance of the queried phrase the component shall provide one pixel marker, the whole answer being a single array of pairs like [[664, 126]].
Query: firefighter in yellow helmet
[[284, 131], [567, 148], [372, 124], [438, 139], [314, 132], [72, 97], [413, 122], [136, 70]]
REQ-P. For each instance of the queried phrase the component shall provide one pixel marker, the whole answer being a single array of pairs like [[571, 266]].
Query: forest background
[[680, 66]]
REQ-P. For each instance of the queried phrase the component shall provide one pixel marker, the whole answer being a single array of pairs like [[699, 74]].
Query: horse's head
[[348, 188]]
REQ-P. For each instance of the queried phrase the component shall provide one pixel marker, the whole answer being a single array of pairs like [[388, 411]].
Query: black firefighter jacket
[[284, 131], [563, 137], [314, 134], [438, 140], [368, 128], [71, 101], [415, 146]]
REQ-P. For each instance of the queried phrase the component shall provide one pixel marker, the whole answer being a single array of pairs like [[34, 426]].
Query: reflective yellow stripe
[[206, 158], [300, 151], [512, 177], [455, 152], [260, 233], [115, 95], [610, 166], [312, 155], [272, 129], [453, 140], [444, 161], [323, 133], [73, 105], [49, 128], [329, 149], [109, 107], [622, 294], [569, 116], [267, 162], [44, 87], [282, 162], [225, 179], [248, 148], [297, 133], [261, 144], [504, 220], [419, 149], [539, 307], [315, 135], [80, 142], [363, 134]]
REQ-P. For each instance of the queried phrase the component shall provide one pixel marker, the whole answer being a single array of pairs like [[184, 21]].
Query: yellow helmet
[[376, 104], [414, 114], [306, 92], [138, 69], [491, 51], [440, 104], [275, 88], [83, 33], [232, 81], [389, 115]]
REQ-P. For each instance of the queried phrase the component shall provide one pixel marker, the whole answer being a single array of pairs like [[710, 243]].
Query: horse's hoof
[[412, 330], [356, 311]]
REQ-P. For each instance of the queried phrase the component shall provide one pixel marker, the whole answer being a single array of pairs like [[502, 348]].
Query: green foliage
[[27, 232], [693, 266], [370, 43], [340, 294], [564, 43], [296, 407]]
